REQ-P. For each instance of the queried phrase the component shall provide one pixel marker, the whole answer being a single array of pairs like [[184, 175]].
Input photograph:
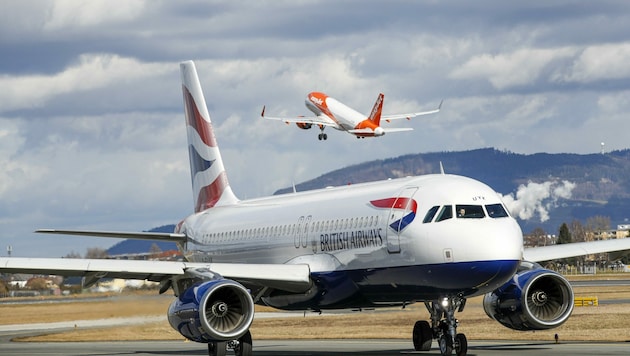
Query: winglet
[[262, 114], [375, 114]]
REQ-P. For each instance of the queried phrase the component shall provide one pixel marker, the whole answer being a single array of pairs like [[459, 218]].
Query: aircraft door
[[401, 214]]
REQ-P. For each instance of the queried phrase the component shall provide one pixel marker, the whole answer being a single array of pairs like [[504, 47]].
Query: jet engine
[[304, 125], [535, 299], [216, 310]]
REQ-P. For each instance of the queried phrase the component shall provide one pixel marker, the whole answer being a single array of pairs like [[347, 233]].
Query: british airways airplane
[[329, 112], [436, 239]]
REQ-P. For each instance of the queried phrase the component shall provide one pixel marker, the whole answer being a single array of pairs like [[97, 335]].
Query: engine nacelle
[[535, 299], [304, 125], [215, 310]]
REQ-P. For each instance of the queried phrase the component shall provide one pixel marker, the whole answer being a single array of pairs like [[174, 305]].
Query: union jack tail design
[[209, 180]]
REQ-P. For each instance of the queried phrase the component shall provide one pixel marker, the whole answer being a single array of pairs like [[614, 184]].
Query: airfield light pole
[[9, 250]]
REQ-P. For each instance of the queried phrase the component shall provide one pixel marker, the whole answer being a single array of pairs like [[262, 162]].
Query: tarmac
[[312, 347], [280, 347]]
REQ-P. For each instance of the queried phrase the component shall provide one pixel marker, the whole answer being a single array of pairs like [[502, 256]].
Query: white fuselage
[[342, 115], [346, 230]]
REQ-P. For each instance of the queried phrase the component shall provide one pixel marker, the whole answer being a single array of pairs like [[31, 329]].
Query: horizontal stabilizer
[[401, 129], [158, 236], [389, 130], [361, 131]]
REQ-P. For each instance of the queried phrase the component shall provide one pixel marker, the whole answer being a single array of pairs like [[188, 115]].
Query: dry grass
[[84, 310], [602, 323]]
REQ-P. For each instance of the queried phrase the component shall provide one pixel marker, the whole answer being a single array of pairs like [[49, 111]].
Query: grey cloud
[[94, 106]]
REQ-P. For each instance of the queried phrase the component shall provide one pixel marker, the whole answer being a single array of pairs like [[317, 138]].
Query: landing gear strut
[[443, 327], [322, 135]]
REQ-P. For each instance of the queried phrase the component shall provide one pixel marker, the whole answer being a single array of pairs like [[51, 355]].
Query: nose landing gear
[[443, 328]]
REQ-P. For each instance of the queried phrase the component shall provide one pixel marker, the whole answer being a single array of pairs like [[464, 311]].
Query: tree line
[[595, 228]]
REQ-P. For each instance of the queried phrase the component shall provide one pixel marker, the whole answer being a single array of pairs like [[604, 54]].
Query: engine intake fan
[[212, 311], [535, 299]]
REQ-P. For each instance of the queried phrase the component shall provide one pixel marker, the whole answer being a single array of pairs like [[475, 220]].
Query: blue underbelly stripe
[[370, 287]]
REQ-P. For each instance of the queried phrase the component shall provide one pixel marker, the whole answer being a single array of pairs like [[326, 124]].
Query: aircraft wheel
[[325, 136], [217, 348], [446, 345], [319, 137], [244, 347], [422, 336], [461, 345]]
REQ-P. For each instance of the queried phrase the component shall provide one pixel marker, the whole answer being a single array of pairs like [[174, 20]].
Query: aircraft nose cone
[[379, 131]]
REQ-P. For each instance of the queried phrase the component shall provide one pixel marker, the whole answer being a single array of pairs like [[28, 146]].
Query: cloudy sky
[[92, 133]]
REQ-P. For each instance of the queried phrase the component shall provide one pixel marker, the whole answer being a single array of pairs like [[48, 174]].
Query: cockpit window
[[496, 211], [445, 213], [469, 211], [430, 214]]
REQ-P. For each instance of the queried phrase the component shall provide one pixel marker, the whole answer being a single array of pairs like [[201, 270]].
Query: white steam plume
[[537, 198]]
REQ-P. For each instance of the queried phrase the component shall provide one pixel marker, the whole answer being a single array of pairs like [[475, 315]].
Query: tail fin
[[375, 115], [209, 180]]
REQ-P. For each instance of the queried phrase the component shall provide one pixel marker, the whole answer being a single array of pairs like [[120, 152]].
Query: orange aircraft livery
[[329, 112]]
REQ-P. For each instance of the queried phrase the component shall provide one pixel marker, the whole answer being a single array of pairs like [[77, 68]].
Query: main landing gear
[[241, 347], [322, 135], [443, 328]]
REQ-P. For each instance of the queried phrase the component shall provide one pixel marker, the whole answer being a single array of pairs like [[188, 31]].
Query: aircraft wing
[[313, 120], [295, 278], [388, 130], [553, 252], [408, 116], [276, 276]]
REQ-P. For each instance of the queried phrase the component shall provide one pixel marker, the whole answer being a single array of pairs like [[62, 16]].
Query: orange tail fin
[[375, 115]]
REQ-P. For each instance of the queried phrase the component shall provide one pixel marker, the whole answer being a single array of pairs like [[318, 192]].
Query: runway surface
[[313, 347], [287, 347]]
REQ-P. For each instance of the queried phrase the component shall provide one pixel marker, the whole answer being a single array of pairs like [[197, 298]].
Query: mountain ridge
[[602, 182]]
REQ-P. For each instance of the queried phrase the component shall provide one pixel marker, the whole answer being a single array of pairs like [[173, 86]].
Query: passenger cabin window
[[445, 213], [469, 211], [430, 214], [496, 211]]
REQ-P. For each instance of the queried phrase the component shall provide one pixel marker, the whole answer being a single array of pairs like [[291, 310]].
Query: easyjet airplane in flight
[[436, 239], [330, 112]]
